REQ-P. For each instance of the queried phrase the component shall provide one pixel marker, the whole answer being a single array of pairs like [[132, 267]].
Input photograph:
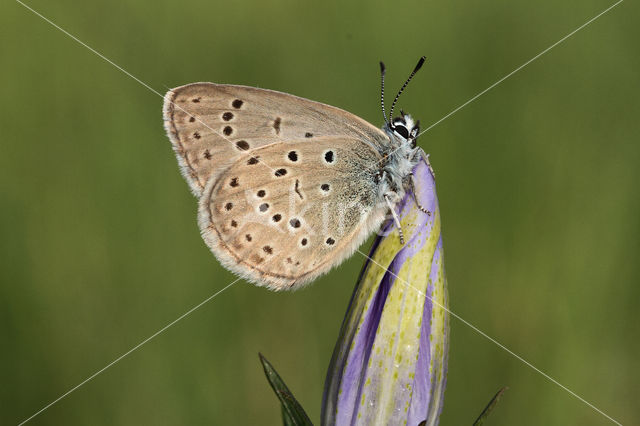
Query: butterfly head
[[404, 129]]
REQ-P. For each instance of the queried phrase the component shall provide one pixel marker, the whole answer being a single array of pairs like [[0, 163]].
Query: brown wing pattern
[[285, 224], [212, 125]]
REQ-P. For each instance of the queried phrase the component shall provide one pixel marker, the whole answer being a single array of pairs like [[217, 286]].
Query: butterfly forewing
[[212, 125], [285, 224]]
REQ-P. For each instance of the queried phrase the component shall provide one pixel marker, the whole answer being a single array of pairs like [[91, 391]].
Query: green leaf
[[292, 412], [485, 413], [286, 419]]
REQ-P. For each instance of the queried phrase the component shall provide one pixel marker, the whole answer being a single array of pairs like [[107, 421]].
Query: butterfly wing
[[285, 224], [212, 125]]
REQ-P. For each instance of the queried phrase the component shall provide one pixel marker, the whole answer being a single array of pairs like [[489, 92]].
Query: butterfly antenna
[[382, 70], [415, 70]]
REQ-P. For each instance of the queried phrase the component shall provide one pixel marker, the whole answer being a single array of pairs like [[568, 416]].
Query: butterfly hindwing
[[284, 213], [212, 125]]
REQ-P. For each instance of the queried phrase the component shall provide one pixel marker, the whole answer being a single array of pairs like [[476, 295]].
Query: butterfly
[[287, 187]]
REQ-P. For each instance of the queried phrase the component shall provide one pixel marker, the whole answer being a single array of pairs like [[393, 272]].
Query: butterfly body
[[287, 187], [401, 155]]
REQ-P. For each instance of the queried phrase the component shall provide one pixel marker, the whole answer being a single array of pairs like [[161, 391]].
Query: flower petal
[[389, 365]]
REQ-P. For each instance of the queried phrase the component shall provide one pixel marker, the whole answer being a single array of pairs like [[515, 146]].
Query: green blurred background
[[537, 180]]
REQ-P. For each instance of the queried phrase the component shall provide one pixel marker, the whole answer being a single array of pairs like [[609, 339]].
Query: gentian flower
[[389, 365]]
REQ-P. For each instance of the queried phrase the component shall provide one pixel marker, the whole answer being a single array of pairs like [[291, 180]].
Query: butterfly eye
[[402, 131]]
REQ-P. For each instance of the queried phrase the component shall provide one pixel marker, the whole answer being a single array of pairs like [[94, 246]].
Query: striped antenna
[[415, 70], [382, 70]]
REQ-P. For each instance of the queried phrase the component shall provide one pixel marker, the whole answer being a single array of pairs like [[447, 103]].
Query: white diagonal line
[[91, 377], [232, 283], [500, 345], [507, 76], [91, 49], [76, 39], [521, 66]]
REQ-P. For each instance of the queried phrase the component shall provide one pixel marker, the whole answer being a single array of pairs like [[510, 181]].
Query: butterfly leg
[[415, 196], [425, 157], [395, 217]]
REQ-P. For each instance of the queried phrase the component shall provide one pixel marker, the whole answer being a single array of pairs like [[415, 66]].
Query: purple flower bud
[[390, 362]]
